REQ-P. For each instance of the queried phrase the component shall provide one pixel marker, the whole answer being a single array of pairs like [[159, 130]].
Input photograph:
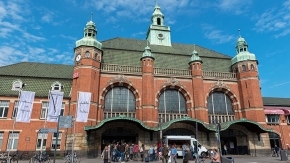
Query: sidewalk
[[237, 159]]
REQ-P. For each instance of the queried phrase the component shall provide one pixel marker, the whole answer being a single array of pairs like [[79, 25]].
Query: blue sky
[[46, 31]]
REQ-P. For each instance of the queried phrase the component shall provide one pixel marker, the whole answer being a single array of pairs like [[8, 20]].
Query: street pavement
[[237, 159]]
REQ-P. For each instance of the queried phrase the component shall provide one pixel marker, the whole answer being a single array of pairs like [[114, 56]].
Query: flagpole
[[74, 132], [45, 118], [14, 122]]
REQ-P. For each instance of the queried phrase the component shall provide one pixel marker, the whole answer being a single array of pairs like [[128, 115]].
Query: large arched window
[[119, 100], [172, 105], [220, 107]]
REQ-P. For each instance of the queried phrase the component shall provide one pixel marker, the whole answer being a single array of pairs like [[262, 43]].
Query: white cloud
[[68, 37], [3, 11], [32, 38], [234, 6], [47, 18], [274, 20], [4, 32], [139, 34], [215, 35]]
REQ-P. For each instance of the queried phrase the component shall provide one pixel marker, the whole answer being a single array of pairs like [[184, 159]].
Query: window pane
[[15, 143], [172, 101], [220, 104], [15, 109]]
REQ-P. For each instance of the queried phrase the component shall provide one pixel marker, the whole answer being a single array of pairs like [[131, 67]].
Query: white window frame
[[276, 122], [4, 105], [44, 110], [15, 109], [17, 85], [1, 138], [13, 138], [58, 141], [288, 119], [42, 137], [56, 86]]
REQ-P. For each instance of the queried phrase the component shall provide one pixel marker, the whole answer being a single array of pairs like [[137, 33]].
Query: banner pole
[[74, 131], [45, 118], [14, 122]]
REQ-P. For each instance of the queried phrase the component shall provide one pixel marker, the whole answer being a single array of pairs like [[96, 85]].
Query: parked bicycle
[[69, 158], [23, 155], [3, 157], [13, 157], [40, 157]]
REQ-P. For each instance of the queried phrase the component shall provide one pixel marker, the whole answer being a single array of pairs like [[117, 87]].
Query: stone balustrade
[[166, 71], [121, 68], [171, 71], [170, 116], [220, 118], [224, 75], [116, 114]]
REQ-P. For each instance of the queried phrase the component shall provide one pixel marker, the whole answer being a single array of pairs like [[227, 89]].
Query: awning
[[277, 110]]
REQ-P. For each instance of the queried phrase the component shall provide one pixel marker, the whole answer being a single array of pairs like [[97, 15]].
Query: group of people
[[124, 152]]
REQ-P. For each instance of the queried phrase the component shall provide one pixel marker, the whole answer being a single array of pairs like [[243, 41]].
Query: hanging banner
[[83, 106], [25, 106], [54, 106]]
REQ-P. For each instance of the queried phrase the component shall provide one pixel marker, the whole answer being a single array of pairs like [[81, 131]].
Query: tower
[[245, 65], [148, 112], [158, 34], [88, 55], [197, 85]]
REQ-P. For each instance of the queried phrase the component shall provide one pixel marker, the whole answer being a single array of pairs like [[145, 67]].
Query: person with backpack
[[164, 153]]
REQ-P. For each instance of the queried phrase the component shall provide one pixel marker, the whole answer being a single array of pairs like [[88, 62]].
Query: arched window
[[87, 54], [172, 105], [243, 68], [220, 107], [158, 21], [56, 86], [119, 100], [252, 67], [17, 85]]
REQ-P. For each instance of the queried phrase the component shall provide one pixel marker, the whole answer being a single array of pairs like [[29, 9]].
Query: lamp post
[[218, 130], [160, 128]]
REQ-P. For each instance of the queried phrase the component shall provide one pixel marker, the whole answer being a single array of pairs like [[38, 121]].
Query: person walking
[[277, 149], [106, 155], [164, 153], [216, 158], [135, 152], [225, 149], [151, 153], [122, 151], [131, 151], [142, 148], [188, 157], [173, 153]]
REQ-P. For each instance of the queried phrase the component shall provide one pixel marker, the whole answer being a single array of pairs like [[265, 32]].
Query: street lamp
[[218, 131], [160, 128]]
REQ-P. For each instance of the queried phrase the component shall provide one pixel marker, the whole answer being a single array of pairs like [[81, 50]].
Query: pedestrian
[[225, 149], [216, 158], [151, 153], [164, 153], [184, 147], [127, 152], [131, 151], [135, 152], [277, 149], [122, 151], [188, 157], [173, 153], [106, 155], [141, 150]]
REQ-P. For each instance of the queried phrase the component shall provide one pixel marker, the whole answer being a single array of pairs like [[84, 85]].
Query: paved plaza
[[237, 159]]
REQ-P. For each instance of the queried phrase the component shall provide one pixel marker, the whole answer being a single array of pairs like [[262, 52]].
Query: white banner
[[83, 106], [54, 106], [25, 106]]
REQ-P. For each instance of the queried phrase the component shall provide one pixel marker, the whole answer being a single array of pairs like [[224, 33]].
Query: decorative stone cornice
[[119, 79], [172, 82]]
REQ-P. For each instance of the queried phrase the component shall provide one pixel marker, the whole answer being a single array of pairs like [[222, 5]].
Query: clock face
[[78, 57], [160, 36]]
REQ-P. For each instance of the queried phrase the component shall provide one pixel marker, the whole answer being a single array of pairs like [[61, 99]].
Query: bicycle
[[13, 157], [40, 157], [3, 158], [68, 158], [24, 155]]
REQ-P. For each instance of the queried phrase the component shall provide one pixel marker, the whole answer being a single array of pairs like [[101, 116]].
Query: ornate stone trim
[[119, 79], [172, 82]]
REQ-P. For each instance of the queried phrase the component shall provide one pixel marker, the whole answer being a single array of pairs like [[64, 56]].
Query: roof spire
[[92, 16], [193, 46], [194, 56], [239, 31]]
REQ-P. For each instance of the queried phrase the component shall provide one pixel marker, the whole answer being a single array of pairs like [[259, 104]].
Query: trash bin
[[283, 155], [227, 159]]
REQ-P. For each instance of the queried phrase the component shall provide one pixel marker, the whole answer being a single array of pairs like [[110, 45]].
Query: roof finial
[[239, 32], [156, 3], [193, 46], [92, 16]]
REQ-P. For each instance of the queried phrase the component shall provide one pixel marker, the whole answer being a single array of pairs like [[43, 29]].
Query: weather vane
[[92, 16]]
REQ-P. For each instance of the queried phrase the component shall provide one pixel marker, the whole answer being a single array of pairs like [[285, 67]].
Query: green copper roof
[[147, 53], [242, 52], [89, 38], [194, 57], [126, 51]]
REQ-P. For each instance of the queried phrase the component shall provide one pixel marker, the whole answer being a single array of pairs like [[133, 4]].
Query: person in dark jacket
[[188, 156], [122, 151], [106, 156], [277, 149]]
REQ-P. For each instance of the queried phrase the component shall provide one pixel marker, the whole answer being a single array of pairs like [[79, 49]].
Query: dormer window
[[17, 85], [56, 86]]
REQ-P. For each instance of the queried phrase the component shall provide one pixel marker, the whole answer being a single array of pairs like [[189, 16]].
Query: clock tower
[[158, 33], [87, 64]]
